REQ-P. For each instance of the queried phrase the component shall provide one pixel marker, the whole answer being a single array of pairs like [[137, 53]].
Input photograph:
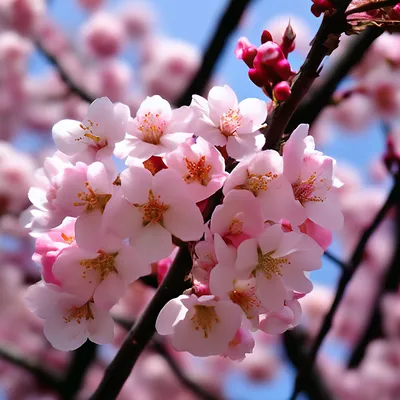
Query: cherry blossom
[[312, 176], [226, 122], [201, 166], [156, 130], [243, 343], [278, 260], [94, 138], [202, 325], [69, 320], [158, 209], [263, 176]]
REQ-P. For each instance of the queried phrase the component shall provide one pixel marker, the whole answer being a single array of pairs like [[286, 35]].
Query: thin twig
[[347, 274], [71, 85], [226, 26], [325, 41], [321, 92], [295, 343], [45, 377], [336, 260], [372, 5]]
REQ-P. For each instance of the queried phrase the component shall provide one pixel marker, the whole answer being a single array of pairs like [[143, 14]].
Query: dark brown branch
[[321, 92], [372, 5], [140, 334], [347, 274], [81, 361], [334, 259], [45, 377], [325, 41], [295, 342], [390, 283], [71, 85], [226, 26]]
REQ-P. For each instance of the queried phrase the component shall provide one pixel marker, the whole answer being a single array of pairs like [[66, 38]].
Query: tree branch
[[72, 86], [295, 343], [347, 274], [334, 259], [47, 378], [320, 94], [226, 26], [372, 5], [324, 43]]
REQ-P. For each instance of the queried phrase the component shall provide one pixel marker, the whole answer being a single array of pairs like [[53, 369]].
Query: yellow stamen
[[204, 319]]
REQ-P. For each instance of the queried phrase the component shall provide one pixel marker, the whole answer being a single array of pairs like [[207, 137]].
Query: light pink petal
[[98, 178], [169, 185], [154, 243], [271, 238], [101, 328], [276, 323], [221, 280], [271, 292], [239, 147], [109, 291], [88, 231], [326, 214], [66, 134], [295, 279], [220, 100], [170, 315], [184, 220], [136, 182], [247, 258], [129, 264], [210, 132], [254, 112], [225, 254]]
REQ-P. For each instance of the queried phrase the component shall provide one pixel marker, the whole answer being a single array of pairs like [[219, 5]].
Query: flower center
[[198, 171], [67, 239], [79, 313], [204, 319], [270, 266], [104, 264], [230, 121], [94, 140], [92, 200], [303, 190], [152, 127], [153, 210], [256, 183], [246, 299], [236, 226]]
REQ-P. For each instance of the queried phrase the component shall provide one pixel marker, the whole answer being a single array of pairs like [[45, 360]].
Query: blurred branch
[[226, 26], [334, 259], [320, 94], [72, 86], [302, 377], [159, 347], [295, 343], [81, 360], [45, 377], [390, 283], [372, 5]]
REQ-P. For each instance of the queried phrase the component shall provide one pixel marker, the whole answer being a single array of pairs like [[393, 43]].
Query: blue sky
[[194, 21]]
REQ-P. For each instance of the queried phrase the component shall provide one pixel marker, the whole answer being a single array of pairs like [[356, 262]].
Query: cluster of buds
[[321, 6], [268, 65]]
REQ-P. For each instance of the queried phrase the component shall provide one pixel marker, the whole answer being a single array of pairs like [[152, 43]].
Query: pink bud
[[245, 51], [256, 77], [282, 68], [138, 19], [268, 54], [24, 15], [288, 40], [266, 37], [104, 35], [282, 91]]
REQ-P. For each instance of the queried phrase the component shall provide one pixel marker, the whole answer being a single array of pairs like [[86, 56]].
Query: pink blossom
[[262, 175], [156, 130], [225, 122], [50, 244], [69, 320], [278, 261], [70, 191], [94, 138], [312, 176], [238, 218], [242, 344], [103, 275], [201, 166], [202, 325], [158, 209], [205, 258]]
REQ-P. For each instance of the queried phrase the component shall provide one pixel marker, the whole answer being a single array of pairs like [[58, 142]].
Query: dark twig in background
[[335, 260], [64, 75], [302, 377], [226, 26]]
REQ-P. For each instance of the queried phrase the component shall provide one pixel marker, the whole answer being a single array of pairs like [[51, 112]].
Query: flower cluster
[[98, 229], [268, 64]]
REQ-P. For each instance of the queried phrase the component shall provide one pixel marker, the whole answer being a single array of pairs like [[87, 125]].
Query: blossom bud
[[268, 54], [256, 77], [266, 36], [245, 51], [282, 68], [288, 40], [282, 91]]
